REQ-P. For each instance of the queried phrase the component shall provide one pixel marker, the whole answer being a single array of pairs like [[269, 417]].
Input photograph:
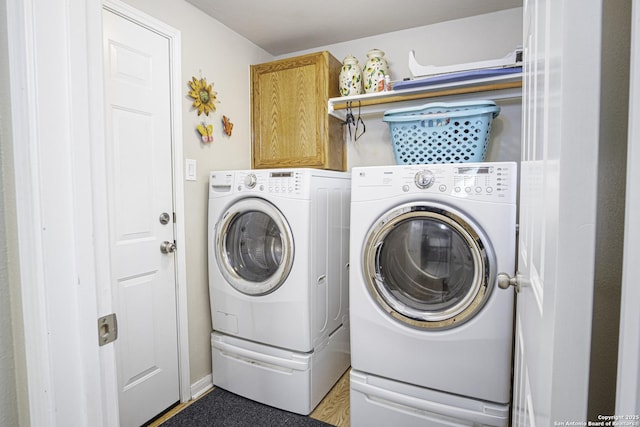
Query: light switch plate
[[190, 169]]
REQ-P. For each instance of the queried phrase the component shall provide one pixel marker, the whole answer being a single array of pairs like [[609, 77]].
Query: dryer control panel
[[494, 181], [270, 182], [294, 183]]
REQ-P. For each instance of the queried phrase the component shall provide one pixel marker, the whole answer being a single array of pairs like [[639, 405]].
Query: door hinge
[[174, 218], [107, 329]]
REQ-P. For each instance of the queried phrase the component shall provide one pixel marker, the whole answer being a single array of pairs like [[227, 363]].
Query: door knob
[[504, 281], [167, 247]]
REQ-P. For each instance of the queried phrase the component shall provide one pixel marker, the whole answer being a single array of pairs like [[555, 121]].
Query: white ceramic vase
[[350, 77], [374, 71]]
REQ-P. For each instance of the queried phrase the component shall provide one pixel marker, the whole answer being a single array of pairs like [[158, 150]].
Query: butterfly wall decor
[[228, 126], [206, 132]]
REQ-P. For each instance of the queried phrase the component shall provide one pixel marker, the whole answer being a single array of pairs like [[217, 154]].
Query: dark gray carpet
[[219, 408]]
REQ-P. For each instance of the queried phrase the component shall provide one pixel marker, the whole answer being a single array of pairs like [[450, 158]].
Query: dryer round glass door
[[428, 267], [254, 246]]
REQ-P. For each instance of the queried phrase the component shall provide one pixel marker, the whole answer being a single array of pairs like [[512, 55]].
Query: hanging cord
[[351, 120], [360, 126]]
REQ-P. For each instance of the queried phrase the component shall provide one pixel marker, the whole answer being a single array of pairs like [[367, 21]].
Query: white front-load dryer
[[427, 245], [278, 281]]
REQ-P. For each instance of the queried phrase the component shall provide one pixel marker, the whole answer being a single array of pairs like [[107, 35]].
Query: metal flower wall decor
[[204, 97]]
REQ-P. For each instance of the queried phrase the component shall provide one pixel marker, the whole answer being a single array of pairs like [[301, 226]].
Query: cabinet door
[[291, 126]]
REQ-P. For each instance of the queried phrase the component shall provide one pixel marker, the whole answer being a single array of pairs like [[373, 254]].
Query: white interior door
[[558, 189], [139, 161]]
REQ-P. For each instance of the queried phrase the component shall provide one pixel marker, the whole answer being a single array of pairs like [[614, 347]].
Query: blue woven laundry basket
[[455, 132]]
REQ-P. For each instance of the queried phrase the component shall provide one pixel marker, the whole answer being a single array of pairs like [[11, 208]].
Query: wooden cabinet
[[291, 126]]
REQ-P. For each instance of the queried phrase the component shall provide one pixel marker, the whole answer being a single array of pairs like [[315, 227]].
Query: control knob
[[424, 179], [250, 180]]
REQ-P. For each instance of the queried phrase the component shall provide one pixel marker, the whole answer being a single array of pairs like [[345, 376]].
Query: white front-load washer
[[428, 320], [278, 281]]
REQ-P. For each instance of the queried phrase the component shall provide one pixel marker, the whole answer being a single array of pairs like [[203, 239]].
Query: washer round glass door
[[427, 267], [254, 246]]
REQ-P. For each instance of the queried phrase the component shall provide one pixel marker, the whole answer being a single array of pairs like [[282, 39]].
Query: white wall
[[11, 349], [8, 405], [8, 397], [610, 228], [477, 38], [212, 51]]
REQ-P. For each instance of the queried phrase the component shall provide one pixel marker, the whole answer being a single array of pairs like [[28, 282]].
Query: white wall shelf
[[505, 87]]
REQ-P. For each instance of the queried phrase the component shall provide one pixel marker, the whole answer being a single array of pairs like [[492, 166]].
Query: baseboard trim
[[201, 386]]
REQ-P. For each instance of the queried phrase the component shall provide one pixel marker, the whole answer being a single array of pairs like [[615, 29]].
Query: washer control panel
[[466, 180], [483, 181]]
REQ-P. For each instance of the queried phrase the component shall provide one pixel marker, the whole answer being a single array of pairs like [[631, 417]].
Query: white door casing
[[628, 379], [53, 108], [141, 154], [557, 211]]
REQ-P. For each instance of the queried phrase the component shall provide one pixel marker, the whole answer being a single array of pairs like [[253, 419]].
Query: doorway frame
[[174, 38], [628, 376], [61, 274]]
